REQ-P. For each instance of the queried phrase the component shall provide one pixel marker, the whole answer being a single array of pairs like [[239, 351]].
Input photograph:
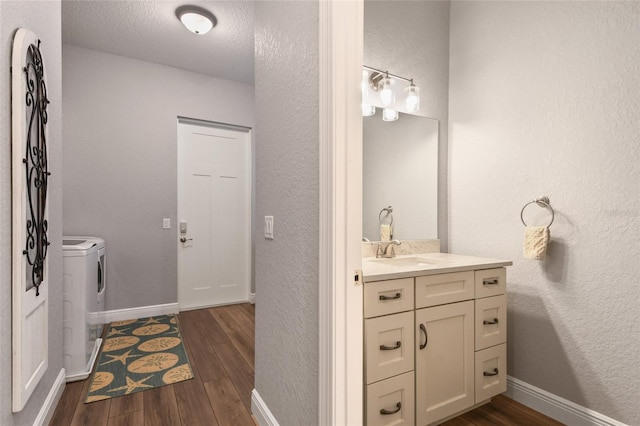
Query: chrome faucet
[[388, 251]]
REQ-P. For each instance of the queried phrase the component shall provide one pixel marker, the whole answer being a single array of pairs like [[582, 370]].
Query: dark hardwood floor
[[502, 411], [220, 345]]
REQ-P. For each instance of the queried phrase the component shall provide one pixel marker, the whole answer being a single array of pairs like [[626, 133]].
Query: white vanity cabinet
[[455, 323]]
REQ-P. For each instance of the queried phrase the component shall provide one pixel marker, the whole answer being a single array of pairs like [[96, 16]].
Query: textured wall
[[120, 161], [43, 18], [545, 99], [411, 39], [287, 174]]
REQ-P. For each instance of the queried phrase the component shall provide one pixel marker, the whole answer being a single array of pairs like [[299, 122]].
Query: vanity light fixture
[[387, 95], [389, 114], [412, 103], [367, 108], [379, 88], [196, 19]]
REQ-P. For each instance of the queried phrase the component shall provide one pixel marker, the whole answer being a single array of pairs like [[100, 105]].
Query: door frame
[[341, 34], [250, 171]]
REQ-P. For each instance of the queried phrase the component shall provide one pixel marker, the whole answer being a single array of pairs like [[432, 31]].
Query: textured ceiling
[[150, 31]]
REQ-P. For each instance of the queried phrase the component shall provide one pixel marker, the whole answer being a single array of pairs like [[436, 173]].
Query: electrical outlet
[[268, 227], [166, 223]]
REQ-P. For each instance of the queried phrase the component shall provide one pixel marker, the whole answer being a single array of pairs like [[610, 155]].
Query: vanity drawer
[[491, 321], [432, 290], [391, 401], [389, 348], [491, 282], [491, 372], [388, 297]]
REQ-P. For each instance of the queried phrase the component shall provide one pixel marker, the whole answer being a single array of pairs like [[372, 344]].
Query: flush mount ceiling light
[[196, 19], [379, 89]]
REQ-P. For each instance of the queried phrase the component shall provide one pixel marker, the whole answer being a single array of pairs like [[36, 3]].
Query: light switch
[[268, 227], [166, 223]]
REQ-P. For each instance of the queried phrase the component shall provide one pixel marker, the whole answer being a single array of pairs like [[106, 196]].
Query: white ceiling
[[150, 31]]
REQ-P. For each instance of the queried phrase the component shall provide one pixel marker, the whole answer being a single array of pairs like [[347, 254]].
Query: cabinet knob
[[423, 330], [397, 296], [494, 321], [391, 348], [385, 412], [490, 373], [490, 281]]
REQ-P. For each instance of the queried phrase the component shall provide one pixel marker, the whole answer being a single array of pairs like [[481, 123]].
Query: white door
[[30, 215], [214, 215]]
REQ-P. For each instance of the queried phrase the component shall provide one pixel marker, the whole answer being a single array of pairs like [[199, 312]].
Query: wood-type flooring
[[220, 345]]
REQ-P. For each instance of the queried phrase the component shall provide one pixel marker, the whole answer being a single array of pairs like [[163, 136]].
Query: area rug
[[138, 355]]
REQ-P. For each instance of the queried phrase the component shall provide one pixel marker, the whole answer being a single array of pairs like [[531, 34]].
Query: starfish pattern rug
[[138, 355]]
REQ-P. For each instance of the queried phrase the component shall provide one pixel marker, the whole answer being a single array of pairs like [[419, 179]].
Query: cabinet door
[[490, 282], [391, 401], [389, 346], [433, 290], [491, 321], [444, 361], [491, 372], [388, 297]]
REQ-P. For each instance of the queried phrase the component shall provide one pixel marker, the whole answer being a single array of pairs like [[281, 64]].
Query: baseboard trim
[[89, 367], [252, 298], [260, 411], [139, 312], [51, 401], [555, 406]]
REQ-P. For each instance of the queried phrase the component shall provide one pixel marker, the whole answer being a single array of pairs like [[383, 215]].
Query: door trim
[[340, 392]]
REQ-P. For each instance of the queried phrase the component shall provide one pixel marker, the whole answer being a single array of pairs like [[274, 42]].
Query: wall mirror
[[400, 169]]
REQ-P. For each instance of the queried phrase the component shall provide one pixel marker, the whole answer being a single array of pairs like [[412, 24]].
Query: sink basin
[[407, 261]]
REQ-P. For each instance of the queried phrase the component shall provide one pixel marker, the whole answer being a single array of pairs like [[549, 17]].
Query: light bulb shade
[[196, 23], [387, 95], [368, 110], [412, 103], [364, 85], [389, 114]]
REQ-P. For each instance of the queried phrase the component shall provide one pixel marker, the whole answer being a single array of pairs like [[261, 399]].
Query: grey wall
[[545, 99], [120, 161], [411, 39], [287, 187], [43, 18]]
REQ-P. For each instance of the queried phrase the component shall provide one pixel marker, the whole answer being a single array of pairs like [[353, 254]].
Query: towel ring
[[388, 211], [542, 202]]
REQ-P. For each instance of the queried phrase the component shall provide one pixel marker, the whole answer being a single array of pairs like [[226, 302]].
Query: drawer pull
[[423, 329], [385, 412], [490, 281], [495, 321], [396, 297], [490, 373], [391, 348]]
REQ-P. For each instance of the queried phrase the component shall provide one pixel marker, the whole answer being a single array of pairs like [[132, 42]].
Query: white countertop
[[434, 263]]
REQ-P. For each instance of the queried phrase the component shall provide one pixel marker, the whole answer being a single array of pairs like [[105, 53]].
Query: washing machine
[[84, 288]]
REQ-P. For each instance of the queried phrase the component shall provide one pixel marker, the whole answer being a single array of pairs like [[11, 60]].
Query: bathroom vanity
[[434, 336]]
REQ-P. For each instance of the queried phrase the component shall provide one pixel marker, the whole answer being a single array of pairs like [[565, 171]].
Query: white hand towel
[[536, 239], [385, 232]]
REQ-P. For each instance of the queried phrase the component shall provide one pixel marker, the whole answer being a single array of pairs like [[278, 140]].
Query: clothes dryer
[[84, 288]]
